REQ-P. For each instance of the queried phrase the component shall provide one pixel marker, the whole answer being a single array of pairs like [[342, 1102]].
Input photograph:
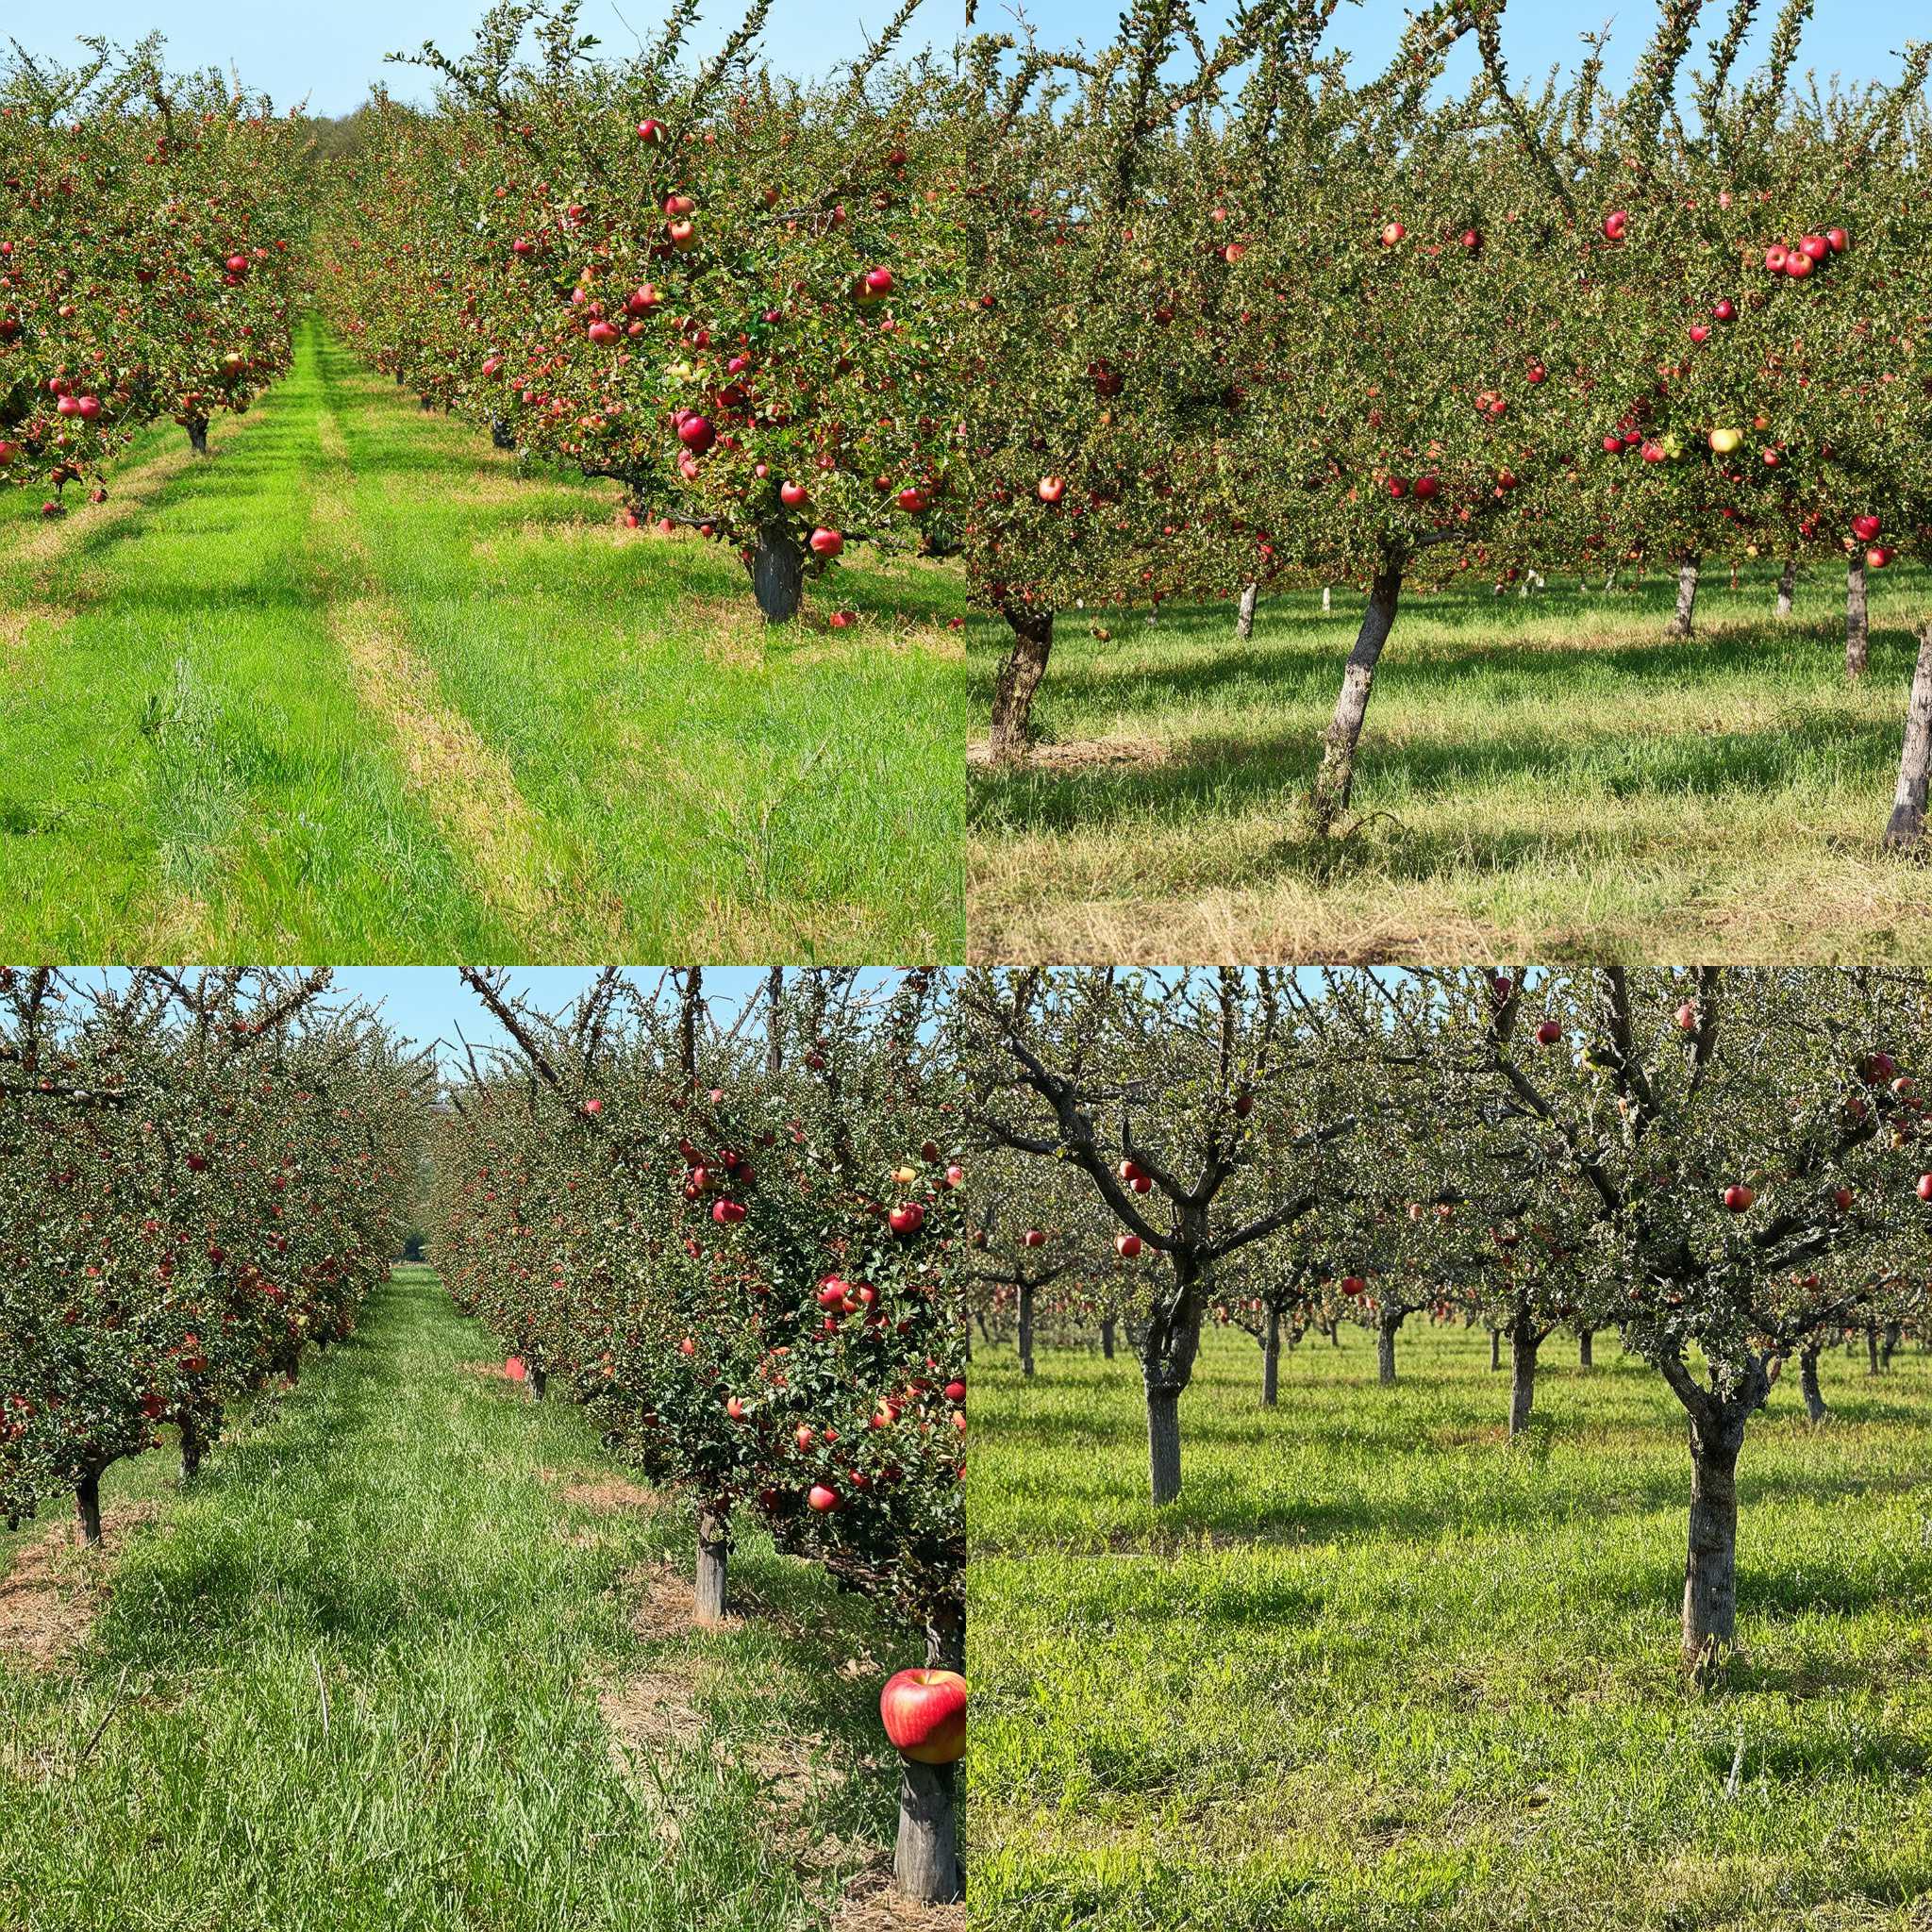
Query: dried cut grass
[[49, 1596]]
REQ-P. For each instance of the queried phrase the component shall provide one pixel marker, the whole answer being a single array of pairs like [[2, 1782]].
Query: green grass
[[358, 688], [350, 1683], [1378, 1669], [1542, 774]]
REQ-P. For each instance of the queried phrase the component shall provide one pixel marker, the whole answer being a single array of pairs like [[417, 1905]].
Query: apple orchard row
[[1730, 1168], [1177, 318], [152, 238]]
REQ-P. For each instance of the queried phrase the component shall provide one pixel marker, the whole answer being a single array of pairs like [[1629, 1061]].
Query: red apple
[[909, 1218], [1738, 1197], [826, 543], [1052, 489], [924, 1715], [1126, 1245], [1616, 225], [822, 1499], [1548, 1032]]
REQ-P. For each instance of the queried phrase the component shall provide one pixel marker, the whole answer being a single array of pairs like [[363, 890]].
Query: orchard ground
[[1378, 1671], [1541, 774], [410, 1654], [358, 688]]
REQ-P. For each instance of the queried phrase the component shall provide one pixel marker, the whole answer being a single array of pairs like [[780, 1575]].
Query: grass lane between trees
[[357, 689], [1541, 775], [408, 1656], [1378, 1671]]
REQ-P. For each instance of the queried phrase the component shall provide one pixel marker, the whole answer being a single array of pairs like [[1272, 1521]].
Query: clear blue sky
[[330, 54]]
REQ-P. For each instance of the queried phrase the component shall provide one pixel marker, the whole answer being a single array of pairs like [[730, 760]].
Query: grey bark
[[777, 571], [1495, 1348], [1905, 828], [1870, 1348], [714, 1553], [1026, 1327], [1386, 1326], [1164, 1443], [1807, 1378], [1335, 781], [1857, 619], [1685, 620], [1586, 1348], [1245, 617], [1020, 675], [1711, 1567], [925, 1864], [197, 435], [1787, 585], [1524, 1343], [537, 1381], [1271, 1359], [1107, 1339]]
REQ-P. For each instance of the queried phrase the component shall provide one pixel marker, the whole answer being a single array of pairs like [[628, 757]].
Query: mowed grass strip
[[746, 792], [390, 699], [408, 1656], [1379, 1672], [1541, 774], [529, 873], [185, 771]]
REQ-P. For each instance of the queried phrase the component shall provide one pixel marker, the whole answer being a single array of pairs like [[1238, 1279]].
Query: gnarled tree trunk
[[1335, 781], [1524, 1343], [197, 435], [1245, 617], [777, 571], [1020, 675], [1905, 828], [1711, 1569], [1815, 1410], [1857, 620], [945, 1639], [925, 1864], [714, 1553], [1685, 620], [87, 1500], [1386, 1326]]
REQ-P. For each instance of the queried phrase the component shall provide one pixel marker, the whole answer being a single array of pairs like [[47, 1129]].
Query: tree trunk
[[1327, 600], [1684, 622], [1271, 1359], [1808, 1379], [1870, 1348], [925, 1864], [1335, 1335], [1020, 675], [1787, 585], [945, 1639], [1107, 1339], [87, 1497], [537, 1381], [193, 1444], [714, 1552], [1711, 1569], [197, 435], [1385, 1350], [1888, 1347], [1524, 1343], [1335, 781], [1906, 825], [1164, 1442], [1586, 1348], [1026, 1328], [777, 572], [1245, 617], [501, 434], [1495, 1348], [1858, 621]]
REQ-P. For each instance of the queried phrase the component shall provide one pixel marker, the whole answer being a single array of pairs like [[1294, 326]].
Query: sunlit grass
[[1378, 1668], [1544, 774]]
